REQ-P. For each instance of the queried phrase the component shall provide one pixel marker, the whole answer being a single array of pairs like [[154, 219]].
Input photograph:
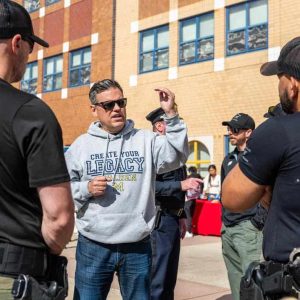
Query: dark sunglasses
[[109, 105], [30, 42], [235, 130]]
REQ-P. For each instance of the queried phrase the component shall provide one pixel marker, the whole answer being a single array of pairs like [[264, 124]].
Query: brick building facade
[[207, 51], [211, 90], [74, 29]]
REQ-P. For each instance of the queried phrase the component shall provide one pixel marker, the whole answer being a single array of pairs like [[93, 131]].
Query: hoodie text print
[[131, 158]]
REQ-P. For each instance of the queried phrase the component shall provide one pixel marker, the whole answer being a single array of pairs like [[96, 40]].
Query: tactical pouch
[[250, 288], [55, 287]]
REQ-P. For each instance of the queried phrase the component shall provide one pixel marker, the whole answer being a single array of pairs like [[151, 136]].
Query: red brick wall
[[80, 19], [36, 30], [54, 23]]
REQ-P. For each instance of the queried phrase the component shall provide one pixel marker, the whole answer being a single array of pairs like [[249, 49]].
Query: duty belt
[[173, 211], [15, 260]]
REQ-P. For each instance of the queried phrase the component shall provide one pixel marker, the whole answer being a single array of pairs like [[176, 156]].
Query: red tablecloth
[[207, 218]]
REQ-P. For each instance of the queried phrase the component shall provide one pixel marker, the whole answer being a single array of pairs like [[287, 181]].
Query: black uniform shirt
[[272, 157], [31, 156]]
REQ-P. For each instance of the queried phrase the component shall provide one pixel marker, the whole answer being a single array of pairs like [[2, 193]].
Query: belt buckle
[[179, 212], [20, 287]]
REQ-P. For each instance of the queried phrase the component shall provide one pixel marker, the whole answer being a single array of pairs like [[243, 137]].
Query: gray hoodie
[[131, 158]]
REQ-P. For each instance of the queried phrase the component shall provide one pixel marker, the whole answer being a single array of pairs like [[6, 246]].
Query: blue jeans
[[97, 263]]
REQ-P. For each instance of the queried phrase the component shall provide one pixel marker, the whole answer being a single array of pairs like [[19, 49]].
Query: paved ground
[[202, 274]]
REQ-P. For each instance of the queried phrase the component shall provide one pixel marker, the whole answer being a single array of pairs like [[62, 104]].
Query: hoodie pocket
[[117, 228]]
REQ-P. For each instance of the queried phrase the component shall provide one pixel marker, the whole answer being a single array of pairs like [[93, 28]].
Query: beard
[[287, 104]]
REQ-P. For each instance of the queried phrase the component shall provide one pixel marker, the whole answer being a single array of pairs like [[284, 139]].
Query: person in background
[[212, 184], [113, 169], [192, 172], [191, 196], [241, 232], [170, 225]]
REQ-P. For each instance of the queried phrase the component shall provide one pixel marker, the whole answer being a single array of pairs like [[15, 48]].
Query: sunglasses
[[235, 130], [109, 105], [30, 42]]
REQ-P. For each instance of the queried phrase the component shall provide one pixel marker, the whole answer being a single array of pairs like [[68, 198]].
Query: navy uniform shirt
[[168, 192], [272, 157]]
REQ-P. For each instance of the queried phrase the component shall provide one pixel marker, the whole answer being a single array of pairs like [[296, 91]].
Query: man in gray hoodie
[[113, 168]]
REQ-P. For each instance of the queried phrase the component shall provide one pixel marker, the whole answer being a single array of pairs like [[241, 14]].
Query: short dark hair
[[192, 169], [212, 166], [101, 86]]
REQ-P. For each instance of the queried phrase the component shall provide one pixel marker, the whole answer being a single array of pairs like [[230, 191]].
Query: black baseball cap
[[287, 63], [16, 20], [240, 121], [155, 115]]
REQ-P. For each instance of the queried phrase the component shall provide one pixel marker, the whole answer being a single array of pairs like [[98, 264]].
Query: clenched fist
[[97, 185]]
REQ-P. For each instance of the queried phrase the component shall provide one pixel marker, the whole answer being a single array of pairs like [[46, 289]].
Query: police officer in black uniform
[[272, 158], [36, 208], [169, 223]]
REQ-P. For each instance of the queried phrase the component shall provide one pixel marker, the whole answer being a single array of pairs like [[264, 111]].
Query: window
[[29, 81], [199, 157], [247, 27], [196, 39], [154, 49], [227, 146], [53, 68], [31, 5], [66, 148], [49, 2], [80, 67]]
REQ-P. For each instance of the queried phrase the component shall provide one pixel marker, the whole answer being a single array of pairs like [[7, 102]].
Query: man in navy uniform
[[170, 223]]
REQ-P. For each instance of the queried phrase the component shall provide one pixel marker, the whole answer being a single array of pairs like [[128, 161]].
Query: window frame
[[48, 4], [227, 146], [246, 28], [32, 10], [54, 74], [81, 65], [196, 161], [155, 30], [31, 66], [197, 40]]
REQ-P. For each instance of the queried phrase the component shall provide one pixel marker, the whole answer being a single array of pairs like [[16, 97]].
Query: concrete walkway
[[202, 273]]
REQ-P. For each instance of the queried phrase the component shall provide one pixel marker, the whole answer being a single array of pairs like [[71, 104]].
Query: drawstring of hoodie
[[118, 160], [105, 156]]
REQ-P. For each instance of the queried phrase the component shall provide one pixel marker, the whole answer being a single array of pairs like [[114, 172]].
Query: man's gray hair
[[101, 86]]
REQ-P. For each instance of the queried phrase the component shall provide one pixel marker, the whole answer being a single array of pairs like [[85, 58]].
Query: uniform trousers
[[5, 288], [165, 242], [241, 245], [189, 208]]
